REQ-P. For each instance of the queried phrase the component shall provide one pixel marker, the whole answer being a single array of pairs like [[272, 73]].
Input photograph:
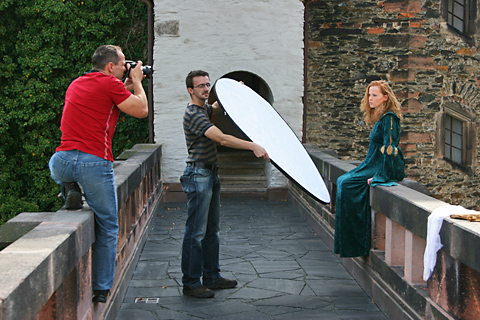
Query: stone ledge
[[11, 232], [405, 206], [46, 271], [409, 209], [133, 167], [461, 240], [35, 265]]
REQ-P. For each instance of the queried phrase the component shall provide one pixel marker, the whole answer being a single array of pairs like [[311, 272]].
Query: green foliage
[[44, 45]]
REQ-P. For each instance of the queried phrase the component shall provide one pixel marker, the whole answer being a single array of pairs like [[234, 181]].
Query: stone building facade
[[427, 51]]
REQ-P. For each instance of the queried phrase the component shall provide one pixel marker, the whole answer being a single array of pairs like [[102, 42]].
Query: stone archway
[[222, 121], [241, 172]]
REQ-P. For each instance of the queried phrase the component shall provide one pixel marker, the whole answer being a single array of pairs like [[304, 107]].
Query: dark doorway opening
[[254, 82], [240, 170]]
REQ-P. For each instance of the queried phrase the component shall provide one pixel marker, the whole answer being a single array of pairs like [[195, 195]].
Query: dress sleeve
[[392, 166]]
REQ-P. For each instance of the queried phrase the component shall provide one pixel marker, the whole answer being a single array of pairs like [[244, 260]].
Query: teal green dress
[[385, 165]]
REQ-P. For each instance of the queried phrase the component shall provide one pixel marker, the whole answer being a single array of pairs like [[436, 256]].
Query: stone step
[[237, 156], [245, 168], [244, 180], [240, 171], [236, 190]]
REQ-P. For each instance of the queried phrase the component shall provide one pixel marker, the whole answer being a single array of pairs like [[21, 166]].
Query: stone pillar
[[414, 250], [394, 243]]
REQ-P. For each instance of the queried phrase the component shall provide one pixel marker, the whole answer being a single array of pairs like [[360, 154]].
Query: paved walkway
[[284, 270]]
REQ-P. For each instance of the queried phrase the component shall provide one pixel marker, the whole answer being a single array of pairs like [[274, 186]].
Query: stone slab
[[284, 270]]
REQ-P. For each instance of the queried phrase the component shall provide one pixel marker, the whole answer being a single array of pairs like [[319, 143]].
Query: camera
[[147, 70]]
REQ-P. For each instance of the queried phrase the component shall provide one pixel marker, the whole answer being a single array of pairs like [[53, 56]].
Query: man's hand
[[136, 74], [260, 152], [136, 105], [216, 108]]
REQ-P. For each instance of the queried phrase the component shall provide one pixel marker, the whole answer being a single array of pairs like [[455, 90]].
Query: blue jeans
[[95, 175], [201, 243]]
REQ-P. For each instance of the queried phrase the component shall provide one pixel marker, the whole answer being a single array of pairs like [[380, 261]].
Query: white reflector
[[263, 125]]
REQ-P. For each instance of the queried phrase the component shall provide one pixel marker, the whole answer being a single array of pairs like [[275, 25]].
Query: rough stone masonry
[[432, 69]]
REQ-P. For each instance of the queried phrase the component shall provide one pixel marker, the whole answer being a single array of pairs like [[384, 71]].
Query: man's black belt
[[204, 165]]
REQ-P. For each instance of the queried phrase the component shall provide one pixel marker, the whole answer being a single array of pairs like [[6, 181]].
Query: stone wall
[[406, 42]]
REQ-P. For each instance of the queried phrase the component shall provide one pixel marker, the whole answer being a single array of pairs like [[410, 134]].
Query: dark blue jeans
[[201, 244]]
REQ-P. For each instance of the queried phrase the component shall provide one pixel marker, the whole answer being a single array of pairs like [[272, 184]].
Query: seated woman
[[383, 165]]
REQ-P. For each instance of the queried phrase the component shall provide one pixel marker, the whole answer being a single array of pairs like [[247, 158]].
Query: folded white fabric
[[434, 224]]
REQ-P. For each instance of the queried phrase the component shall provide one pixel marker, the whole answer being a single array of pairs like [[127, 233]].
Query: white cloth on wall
[[434, 225]]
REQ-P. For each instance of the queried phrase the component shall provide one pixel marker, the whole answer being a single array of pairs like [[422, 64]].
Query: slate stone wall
[[406, 42]]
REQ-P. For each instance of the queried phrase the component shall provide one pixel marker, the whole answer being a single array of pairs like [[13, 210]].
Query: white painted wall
[[264, 37]]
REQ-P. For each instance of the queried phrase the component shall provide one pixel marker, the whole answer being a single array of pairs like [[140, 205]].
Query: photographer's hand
[[136, 74], [136, 105]]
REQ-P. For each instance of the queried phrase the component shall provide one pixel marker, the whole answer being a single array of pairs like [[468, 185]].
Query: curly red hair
[[373, 115]]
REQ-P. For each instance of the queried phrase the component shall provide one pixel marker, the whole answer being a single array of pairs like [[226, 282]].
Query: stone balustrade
[[393, 272], [46, 258]]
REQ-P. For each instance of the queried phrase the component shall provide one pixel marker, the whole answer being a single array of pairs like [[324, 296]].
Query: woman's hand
[[369, 181]]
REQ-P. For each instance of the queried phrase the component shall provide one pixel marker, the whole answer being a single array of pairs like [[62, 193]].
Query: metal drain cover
[[147, 300]]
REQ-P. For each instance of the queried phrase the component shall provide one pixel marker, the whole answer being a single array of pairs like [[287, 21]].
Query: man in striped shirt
[[200, 182]]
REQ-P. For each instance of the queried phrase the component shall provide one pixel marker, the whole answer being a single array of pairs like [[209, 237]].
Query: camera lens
[[147, 71]]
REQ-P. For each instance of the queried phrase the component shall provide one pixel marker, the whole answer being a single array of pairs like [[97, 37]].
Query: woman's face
[[375, 97]]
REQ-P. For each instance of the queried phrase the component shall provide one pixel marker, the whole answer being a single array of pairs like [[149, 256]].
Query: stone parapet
[[37, 264], [393, 272], [46, 258]]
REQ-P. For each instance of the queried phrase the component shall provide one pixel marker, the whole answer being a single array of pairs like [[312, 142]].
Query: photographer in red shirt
[[84, 158]]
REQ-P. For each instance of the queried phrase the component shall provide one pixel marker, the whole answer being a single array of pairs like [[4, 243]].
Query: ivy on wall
[[44, 45]]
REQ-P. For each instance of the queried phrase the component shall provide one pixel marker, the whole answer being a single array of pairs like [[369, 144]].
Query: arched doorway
[[240, 170], [254, 82]]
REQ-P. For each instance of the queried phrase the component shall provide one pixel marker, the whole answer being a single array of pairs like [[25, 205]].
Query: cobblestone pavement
[[283, 269]]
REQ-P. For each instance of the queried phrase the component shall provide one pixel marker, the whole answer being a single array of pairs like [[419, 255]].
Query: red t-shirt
[[90, 114]]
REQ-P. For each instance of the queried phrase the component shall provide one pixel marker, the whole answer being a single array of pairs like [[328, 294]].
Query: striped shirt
[[196, 122]]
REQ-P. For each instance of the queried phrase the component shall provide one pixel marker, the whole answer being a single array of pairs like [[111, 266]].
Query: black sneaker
[[222, 283], [73, 200], [198, 292], [100, 296]]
